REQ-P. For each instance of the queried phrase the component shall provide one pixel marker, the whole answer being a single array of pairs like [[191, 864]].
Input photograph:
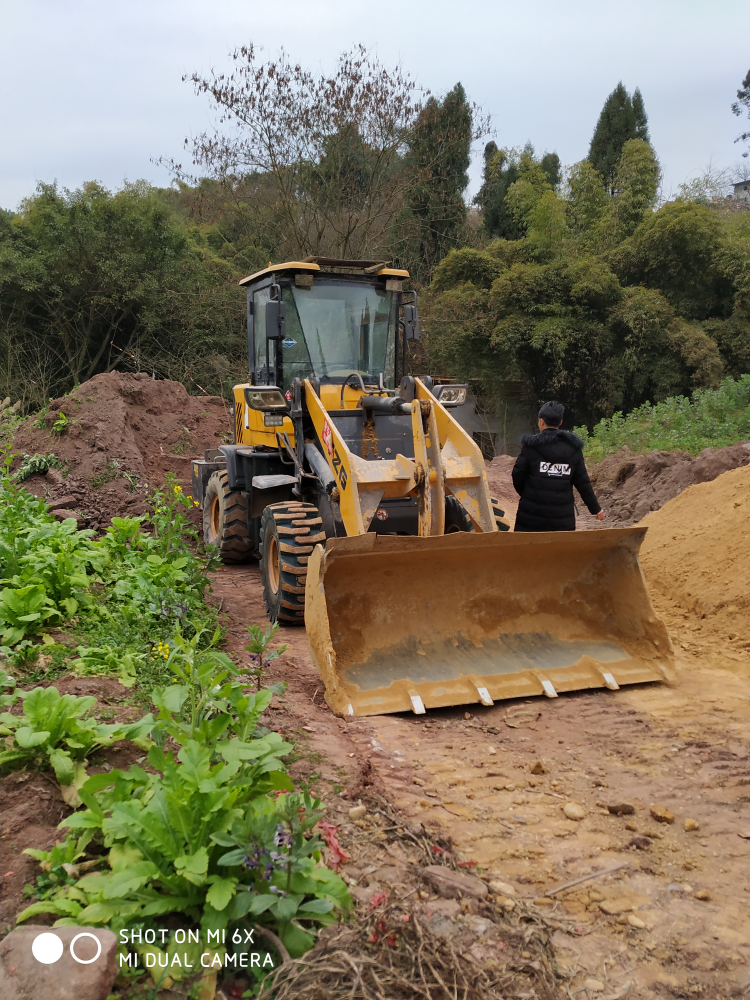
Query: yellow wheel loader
[[369, 509]]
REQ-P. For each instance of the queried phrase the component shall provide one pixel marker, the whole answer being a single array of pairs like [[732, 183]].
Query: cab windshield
[[336, 328]]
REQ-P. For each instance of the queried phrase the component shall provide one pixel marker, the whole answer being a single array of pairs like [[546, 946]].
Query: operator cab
[[328, 320]]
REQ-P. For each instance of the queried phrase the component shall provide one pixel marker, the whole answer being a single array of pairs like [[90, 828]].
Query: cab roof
[[379, 268]]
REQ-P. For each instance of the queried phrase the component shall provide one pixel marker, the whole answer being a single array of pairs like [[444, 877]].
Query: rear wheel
[[225, 520], [288, 533], [456, 518], [499, 515]]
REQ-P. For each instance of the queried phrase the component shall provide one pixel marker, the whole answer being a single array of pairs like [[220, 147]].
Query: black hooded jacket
[[549, 466]]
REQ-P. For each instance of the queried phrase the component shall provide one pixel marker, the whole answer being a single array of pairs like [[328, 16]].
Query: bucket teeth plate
[[408, 624]]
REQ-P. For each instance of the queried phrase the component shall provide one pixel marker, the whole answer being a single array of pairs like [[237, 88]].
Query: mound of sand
[[696, 555], [124, 433]]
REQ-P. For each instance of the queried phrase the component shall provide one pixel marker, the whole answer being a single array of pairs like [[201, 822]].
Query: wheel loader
[[369, 509]]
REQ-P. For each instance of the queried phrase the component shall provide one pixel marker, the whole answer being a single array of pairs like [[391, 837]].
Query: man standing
[[549, 466]]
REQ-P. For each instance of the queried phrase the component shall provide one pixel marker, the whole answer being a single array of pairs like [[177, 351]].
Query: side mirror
[[275, 320], [411, 322]]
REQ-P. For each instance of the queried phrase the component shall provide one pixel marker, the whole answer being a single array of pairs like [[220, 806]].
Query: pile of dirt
[[501, 485], [629, 486], [123, 434], [697, 555]]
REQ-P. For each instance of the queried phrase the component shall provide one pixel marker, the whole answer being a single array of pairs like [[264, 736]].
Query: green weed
[[107, 474], [32, 464], [61, 424], [710, 418]]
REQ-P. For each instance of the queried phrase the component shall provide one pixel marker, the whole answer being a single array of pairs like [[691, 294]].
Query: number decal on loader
[[338, 467]]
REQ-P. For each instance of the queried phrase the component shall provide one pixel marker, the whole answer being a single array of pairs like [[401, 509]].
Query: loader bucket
[[410, 623]]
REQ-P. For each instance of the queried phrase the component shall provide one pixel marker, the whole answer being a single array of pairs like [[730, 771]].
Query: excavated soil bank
[[124, 433], [630, 486]]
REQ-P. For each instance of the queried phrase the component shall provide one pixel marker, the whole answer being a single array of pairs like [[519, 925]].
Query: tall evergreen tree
[[641, 119], [501, 169], [622, 118], [439, 160]]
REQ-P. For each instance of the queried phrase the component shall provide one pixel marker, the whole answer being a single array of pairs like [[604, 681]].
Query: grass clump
[[710, 418]]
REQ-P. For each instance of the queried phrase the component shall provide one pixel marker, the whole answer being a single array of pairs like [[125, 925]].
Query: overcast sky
[[91, 89]]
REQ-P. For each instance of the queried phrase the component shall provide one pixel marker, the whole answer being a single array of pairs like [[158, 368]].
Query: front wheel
[[499, 515], [288, 533], [225, 520]]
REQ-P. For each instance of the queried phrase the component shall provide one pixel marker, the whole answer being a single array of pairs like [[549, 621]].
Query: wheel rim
[[215, 517], [272, 556]]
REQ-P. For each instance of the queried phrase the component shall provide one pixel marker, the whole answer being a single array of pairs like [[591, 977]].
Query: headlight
[[265, 399], [273, 419], [455, 394]]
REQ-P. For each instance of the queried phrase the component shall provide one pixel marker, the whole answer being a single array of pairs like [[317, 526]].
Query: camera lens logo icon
[[47, 948]]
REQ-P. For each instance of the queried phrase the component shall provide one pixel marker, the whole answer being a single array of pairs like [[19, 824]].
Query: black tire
[[456, 518], [225, 520], [499, 515], [288, 533]]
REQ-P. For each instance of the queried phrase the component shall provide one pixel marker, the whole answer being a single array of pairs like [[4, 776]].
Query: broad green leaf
[[27, 738], [221, 891], [287, 906], [122, 856], [99, 913], [62, 764], [232, 858], [296, 941], [125, 882], [193, 867], [317, 906], [259, 902]]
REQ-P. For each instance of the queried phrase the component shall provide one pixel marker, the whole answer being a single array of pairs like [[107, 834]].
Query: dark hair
[[552, 413]]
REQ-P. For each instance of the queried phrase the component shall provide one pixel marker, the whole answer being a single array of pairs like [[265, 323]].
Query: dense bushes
[[712, 418]]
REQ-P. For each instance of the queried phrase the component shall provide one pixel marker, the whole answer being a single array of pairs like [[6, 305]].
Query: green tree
[[438, 162], [622, 118], [502, 168], [89, 279], [743, 104]]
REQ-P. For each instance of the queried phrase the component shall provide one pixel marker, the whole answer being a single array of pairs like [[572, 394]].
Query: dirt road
[[674, 921]]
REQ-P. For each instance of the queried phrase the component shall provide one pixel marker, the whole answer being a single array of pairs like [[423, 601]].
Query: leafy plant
[[275, 855], [159, 827], [54, 731], [96, 660], [9, 695], [24, 611], [710, 418], [259, 648], [32, 464], [61, 424]]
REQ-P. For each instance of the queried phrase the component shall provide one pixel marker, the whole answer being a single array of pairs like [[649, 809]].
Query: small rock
[[661, 815], [595, 985], [691, 824], [621, 809], [510, 788], [453, 885], [442, 927], [614, 907], [632, 827], [502, 888], [68, 501], [574, 811], [703, 894], [33, 968], [506, 903], [636, 922], [418, 781], [675, 887], [63, 514], [357, 812], [538, 768], [544, 901]]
